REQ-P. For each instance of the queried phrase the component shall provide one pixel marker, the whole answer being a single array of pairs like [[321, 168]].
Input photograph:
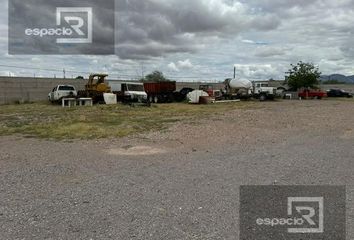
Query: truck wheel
[[171, 98], [163, 99], [156, 99], [262, 97], [151, 99]]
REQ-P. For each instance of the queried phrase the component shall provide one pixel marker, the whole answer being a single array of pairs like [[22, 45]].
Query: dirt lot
[[176, 183]]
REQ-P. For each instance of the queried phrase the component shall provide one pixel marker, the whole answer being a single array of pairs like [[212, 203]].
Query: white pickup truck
[[60, 92]]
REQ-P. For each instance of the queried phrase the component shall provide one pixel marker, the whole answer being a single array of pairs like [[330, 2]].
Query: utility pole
[[142, 71], [64, 73], [234, 72]]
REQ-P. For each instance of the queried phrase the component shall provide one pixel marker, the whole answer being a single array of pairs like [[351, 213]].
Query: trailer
[[160, 92]]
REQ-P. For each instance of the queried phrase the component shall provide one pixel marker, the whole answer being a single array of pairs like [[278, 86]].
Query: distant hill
[[338, 77]]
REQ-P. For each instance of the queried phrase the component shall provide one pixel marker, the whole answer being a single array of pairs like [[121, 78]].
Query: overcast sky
[[204, 39]]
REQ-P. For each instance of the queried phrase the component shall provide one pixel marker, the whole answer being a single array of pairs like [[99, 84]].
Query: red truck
[[160, 92], [310, 93]]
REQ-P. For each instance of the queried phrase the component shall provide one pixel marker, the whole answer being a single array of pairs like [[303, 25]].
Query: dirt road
[[178, 184]]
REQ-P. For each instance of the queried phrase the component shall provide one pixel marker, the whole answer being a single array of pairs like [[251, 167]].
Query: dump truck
[[160, 92], [95, 88]]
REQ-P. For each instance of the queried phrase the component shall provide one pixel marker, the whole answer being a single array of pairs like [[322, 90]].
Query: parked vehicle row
[[319, 94], [165, 92]]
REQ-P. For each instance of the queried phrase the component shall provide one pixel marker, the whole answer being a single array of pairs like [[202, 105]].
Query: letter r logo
[[308, 213], [76, 23]]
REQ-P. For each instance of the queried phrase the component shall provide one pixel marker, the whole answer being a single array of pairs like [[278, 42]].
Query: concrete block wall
[[13, 89]]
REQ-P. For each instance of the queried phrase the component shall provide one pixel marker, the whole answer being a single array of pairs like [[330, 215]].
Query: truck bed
[[159, 88], [312, 94]]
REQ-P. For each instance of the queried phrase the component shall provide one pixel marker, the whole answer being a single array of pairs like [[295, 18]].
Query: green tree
[[155, 76], [303, 75]]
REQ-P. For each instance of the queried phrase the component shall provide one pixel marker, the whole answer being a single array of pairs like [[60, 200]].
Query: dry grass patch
[[48, 121]]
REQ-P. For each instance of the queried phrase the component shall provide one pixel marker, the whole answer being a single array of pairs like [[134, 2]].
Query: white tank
[[193, 97], [240, 83]]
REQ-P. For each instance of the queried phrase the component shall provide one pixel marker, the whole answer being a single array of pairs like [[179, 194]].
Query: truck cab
[[129, 91], [263, 91]]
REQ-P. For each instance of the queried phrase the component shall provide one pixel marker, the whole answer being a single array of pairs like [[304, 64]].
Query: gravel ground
[[178, 184]]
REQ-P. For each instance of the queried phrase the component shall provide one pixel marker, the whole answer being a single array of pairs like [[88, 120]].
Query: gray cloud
[[261, 36], [180, 25], [267, 52]]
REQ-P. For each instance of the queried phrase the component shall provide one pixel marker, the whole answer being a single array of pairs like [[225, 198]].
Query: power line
[[40, 69], [200, 77]]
